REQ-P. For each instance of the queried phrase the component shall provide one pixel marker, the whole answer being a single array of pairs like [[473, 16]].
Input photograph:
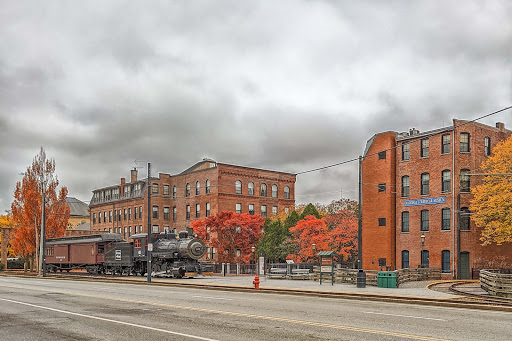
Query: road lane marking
[[214, 298], [109, 320], [252, 316], [414, 317]]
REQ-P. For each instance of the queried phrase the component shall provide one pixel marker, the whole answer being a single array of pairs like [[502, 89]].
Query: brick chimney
[[500, 126], [123, 181], [133, 175]]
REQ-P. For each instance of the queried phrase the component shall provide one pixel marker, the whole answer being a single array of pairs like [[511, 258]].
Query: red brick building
[[204, 189], [418, 184]]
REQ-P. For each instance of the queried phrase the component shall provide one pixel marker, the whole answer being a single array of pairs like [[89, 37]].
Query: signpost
[[327, 264]]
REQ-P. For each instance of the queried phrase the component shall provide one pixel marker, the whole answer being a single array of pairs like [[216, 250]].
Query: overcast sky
[[283, 85]]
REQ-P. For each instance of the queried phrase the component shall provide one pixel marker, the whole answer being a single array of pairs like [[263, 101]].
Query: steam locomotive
[[108, 253]]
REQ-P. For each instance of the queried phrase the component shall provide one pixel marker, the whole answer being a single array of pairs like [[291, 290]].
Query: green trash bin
[[391, 279], [382, 279]]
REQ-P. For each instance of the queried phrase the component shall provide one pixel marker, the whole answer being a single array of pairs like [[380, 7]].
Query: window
[[207, 209], [446, 181], [124, 214], [187, 190], [274, 210], [405, 186], [382, 187], [445, 219], [110, 216], [487, 146], [425, 259], [129, 231], [263, 211], [464, 180], [274, 191], [263, 191], [250, 188], [424, 148], [198, 211], [119, 215], [140, 212], [124, 232], [382, 221], [405, 221], [187, 212], [207, 187], [155, 212], [405, 259], [166, 229], [464, 219], [135, 211], [287, 192], [382, 155], [445, 260], [405, 151], [167, 213], [445, 144], [174, 190], [166, 189], [198, 188], [464, 142], [154, 189], [174, 213], [155, 229], [251, 209], [238, 208], [425, 181], [286, 210], [238, 187], [130, 213], [93, 217], [115, 215], [424, 220], [136, 243]]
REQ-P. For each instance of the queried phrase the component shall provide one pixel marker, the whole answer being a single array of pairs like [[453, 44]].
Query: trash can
[[391, 279], [361, 279], [382, 279]]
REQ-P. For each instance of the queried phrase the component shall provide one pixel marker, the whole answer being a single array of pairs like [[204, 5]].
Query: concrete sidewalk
[[411, 289]]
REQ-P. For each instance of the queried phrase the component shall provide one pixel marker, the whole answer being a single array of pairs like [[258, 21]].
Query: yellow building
[[78, 213]]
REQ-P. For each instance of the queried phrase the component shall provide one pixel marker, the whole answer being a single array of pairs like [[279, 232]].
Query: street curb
[[421, 300]]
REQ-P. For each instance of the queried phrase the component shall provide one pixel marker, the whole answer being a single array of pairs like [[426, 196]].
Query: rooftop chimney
[[500, 126], [123, 181], [133, 175]]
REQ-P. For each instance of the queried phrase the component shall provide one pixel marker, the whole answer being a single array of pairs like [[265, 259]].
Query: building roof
[[83, 227], [77, 208]]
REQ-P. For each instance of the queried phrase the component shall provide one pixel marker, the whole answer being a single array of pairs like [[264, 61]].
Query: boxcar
[[79, 252]]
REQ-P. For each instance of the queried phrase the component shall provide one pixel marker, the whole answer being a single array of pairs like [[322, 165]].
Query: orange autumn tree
[[307, 232], [342, 227], [27, 206], [227, 232]]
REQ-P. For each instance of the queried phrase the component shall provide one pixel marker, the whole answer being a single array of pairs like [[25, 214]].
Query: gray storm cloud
[[288, 85]]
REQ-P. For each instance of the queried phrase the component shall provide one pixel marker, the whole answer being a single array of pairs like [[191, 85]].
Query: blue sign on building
[[426, 201]]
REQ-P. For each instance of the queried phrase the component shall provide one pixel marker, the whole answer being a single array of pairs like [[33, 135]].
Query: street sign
[[150, 247], [261, 265], [118, 254]]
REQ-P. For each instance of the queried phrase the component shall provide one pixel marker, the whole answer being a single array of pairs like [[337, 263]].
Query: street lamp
[[422, 245], [253, 249], [314, 249]]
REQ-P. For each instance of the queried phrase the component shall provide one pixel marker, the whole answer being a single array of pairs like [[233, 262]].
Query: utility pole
[[360, 220], [42, 240], [150, 242]]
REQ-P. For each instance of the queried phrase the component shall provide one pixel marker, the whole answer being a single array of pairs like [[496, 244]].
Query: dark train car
[[119, 258], [79, 252]]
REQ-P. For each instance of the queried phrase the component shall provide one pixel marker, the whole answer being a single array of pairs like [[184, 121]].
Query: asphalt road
[[49, 309]]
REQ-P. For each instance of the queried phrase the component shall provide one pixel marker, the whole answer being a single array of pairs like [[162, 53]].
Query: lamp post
[[313, 246], [253, 249], [422, 246]]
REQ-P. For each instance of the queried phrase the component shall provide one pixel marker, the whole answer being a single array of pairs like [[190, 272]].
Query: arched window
[[187, 190], [287, 192], [207, 187], [425, 184], [446, 182], [405, 259], [465, 222], [263, 192], [405, 186], [198, 188], [238, 187], [464, 180], [250, 188], [174, 190], [274, 191], [445, 260]]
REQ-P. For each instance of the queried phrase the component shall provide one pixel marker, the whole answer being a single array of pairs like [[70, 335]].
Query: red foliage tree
[[342, 228], [308, 231], [27, 204], [228, 231]]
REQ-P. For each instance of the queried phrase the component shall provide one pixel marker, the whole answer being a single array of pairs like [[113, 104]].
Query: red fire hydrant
[[256, 282]]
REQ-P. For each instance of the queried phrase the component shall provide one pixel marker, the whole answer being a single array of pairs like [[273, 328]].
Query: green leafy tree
[[272, 242], [292, 220], [310, 210]]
